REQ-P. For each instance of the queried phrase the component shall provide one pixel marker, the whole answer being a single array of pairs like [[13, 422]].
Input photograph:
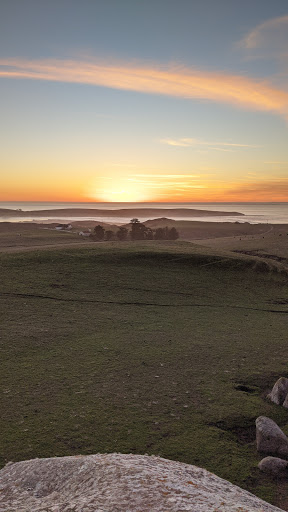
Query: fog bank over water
[[272, 213]]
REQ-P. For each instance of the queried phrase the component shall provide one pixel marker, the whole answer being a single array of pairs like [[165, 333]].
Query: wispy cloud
[[167, 181], [217, 146], [174, 80], [269, 40], [273, 32]]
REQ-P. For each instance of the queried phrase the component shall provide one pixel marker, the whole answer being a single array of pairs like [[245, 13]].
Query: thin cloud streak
[[167, 181], [190, 142], [164, 176], [222, 149], [188, 83]]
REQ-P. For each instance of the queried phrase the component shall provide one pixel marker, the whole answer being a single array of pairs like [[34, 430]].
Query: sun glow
[[137, 188], [117, 190]]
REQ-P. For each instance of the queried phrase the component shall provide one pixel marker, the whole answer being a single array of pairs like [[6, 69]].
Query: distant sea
[[255, 213]]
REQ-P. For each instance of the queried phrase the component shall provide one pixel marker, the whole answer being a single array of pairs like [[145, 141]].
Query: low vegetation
[[146, 347]]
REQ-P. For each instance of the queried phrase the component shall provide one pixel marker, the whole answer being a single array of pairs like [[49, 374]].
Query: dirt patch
[[246, 389], [242, 428], [260, 254]]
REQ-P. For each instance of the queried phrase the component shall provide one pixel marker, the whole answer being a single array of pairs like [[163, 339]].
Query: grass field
[[158, 348]]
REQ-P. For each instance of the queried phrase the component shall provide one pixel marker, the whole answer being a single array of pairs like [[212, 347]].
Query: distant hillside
[[123, 212], [195, 229]]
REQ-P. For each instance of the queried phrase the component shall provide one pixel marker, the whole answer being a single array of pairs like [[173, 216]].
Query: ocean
[[255, 213]]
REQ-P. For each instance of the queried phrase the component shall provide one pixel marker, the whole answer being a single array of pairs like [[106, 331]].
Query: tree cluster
[[138, 231], [141, 232]]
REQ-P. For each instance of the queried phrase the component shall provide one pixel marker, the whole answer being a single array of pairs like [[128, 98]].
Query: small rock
[[270, 438], [279, 391], [274, 466]]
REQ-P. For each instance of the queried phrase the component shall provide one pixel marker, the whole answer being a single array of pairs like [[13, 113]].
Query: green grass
[[26, 235], [141, 348]]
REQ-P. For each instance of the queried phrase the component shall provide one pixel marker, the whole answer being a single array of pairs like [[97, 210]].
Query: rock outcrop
[[270, 438], [274, 466], [279, 392], [119, 483]]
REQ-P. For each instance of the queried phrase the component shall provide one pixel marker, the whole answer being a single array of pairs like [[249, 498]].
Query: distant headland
[[123, 212]]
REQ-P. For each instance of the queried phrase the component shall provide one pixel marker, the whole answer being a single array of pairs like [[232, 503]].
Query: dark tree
[[138, 230], [166, 234], [122, 234], [149, 235], [109, 235], [159, 234], [99, 233], [141, 232], [173, 234]]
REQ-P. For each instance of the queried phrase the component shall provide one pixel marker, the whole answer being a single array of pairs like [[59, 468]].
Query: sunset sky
[[155, 100]]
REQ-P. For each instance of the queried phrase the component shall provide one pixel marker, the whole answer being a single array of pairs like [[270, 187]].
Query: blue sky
[[133, 100]]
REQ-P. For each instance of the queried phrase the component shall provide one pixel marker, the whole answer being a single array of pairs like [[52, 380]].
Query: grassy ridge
[[146, 348]]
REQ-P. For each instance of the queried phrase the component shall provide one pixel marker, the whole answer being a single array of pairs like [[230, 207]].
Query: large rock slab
[[270, 438], [119, 483], [274, 466], [279, 391]]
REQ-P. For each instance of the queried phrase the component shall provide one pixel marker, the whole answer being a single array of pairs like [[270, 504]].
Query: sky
[[144, 100]]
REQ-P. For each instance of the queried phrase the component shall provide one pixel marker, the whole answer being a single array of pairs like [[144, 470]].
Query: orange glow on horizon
[[181, 188], [150, 188]]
